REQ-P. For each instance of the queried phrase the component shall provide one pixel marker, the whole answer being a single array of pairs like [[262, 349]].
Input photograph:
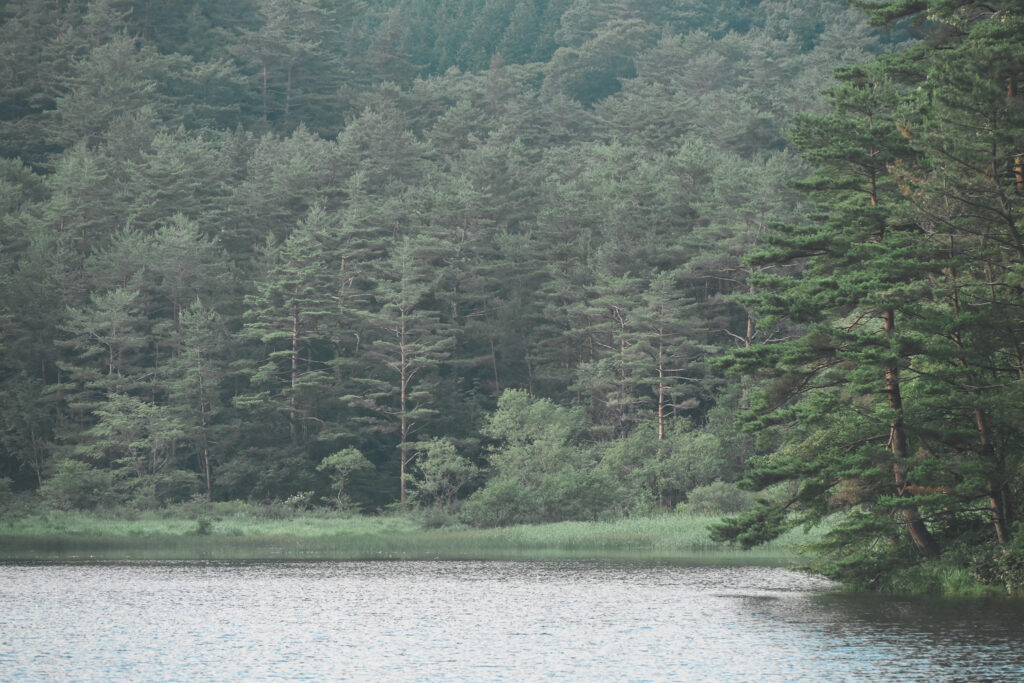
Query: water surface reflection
[[482, 621]]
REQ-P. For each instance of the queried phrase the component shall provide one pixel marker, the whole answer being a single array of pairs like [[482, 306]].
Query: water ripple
[[482, 621]]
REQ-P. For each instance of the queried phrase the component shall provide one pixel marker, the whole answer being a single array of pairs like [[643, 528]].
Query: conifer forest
[[516, 261]]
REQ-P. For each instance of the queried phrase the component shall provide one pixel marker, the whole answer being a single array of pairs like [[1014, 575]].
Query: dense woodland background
[[519, 260]]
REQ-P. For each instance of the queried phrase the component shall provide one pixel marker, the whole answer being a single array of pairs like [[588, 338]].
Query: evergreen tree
[[192, 379], [919, 170], [104, 389], [409, 346], [860, 280], [34, 58], [282, 180], [670, 341], [965, 120], [286, 315], [183, 266], [294, 57], [610, 379], [138, 439]]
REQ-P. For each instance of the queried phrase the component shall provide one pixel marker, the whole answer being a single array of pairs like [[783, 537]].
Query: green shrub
[[435, 517], [76, 485], [1001, 566], [6, 495], [504, 501], [568, 495], [579, 495], [718, 498], [158, 490], [938, 577]]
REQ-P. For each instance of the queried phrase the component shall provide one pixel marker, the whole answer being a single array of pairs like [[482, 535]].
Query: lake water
[[483, 621]]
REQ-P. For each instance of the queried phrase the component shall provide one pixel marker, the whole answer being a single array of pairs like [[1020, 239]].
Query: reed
[[243, 536]]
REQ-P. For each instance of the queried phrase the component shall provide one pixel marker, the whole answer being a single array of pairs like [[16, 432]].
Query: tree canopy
[[521, 260]]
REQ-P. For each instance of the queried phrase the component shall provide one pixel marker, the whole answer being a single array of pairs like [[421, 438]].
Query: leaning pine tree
[[834, 397], [965, 118], [896, 400]]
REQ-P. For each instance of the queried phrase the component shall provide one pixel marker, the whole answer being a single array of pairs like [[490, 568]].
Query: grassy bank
[[242, 536]]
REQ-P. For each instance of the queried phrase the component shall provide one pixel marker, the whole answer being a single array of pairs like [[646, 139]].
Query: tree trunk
[[264, 90], [403, 402], [288, 96], [292, 401], [661, 392], [204, 442], [529, 370], [988, 451], [919, 533], [995, 484], [494, 366]]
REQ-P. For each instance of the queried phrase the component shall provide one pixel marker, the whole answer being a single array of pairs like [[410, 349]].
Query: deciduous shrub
[[718, 498], [75, 485]]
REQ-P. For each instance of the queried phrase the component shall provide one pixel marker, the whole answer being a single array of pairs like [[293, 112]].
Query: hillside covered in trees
[[520, 260]]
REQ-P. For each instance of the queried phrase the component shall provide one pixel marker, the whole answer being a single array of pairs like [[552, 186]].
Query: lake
[[483, 621]]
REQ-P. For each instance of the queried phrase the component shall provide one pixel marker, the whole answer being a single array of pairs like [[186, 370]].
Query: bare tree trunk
[[494, 366], [403, 405], [264, 90], [624, 407], [661, 392], [292, 399], [919, 533], [988, 451], [661, 407], [37, 461], [288, 95], [1018, 161], [204, 442], [995, 486], [529, 372]]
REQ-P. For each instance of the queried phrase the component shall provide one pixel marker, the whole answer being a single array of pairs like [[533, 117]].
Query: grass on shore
[[243, 536]]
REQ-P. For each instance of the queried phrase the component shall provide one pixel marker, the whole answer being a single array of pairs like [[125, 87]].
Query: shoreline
[[664, 538], [234, 535]]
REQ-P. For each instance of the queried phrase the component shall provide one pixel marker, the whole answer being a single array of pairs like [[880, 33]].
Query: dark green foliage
[[491, 247], [1001, 566], [541, 472], [888, 405], [527, 258], [764, 523], [445, 474], [718, 498], [341, 466], [77, 485]]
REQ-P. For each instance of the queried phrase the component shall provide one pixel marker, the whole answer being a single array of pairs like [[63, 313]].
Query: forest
[[516, 261]]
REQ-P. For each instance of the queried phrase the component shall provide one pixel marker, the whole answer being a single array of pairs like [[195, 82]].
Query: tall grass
[[240, 534], [236, 522]]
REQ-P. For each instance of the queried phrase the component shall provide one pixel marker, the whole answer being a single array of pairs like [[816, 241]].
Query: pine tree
[[138, 439], [862, 271], [286, 315], [964, 117], [183, 265], [33, 59], [192, 379], [409, 346], [104, 387], [670, 340], [282, 180], [610, 317], [904, 298]]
